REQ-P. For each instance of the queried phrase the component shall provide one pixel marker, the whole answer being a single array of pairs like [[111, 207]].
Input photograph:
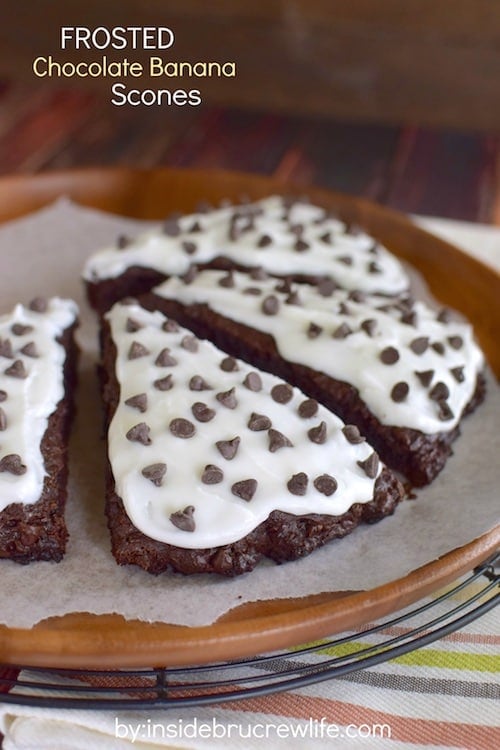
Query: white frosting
[[220, 516], [166, 254], [31, 400], [356, 358]]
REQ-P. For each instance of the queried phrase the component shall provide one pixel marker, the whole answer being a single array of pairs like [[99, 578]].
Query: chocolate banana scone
[[403, 373], [37, 377], [214, 464], [281, 235]]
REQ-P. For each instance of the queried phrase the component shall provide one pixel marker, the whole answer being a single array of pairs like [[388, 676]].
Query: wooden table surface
[[454, 174]]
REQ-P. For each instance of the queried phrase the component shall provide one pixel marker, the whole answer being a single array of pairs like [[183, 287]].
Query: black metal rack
[[262, 675]]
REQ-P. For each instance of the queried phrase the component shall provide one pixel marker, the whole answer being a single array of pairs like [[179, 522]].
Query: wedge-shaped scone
[[37, 378], [213, 465], [281, 235], [402, 372]]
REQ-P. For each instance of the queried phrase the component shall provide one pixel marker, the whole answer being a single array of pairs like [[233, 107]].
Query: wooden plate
[[108, 641]]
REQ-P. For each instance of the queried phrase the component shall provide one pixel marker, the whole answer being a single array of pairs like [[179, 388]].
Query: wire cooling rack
[[459, 604]]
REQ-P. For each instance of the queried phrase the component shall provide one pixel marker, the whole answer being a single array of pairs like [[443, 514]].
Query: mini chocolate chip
[[252, 290], [30, 350], [369, 325], [132, 325], [122, 241], [228, 448], [301, 245], [438, 347], [138, 402], [212, 474], [370, 465], [439, 392], [164, 384], [400, 392], [342, 331], [297, 485], [277, 440], [229, 364], [344, 309], [195, 227], [190, 343], [409, 318], [258, 274], [3, 420], [258, 422], [425, 377], [38, 304], [374, 267], [308, 408], [325, 484], [155, 473], [456, 342], [293, 299], [281, 393], [317, 434], [326, 237], [13, 464], [389, 355], [253, 382], [458, 374], [137, 350], [284, 286], [6, 349], [3, 396], [170, 326], [314, 331], [357, 296], [16, 370], [326, 287], [183, 519], [197, 383], [374, 249], [189, 247], [190, 274], [270, 305], [227, 398], [171, 228], [444, 315], [345, 259], [245, 489], [419, 345], [297, 229], [139, 433], [227, 281], [202, 412], [165, 359], [182, 428], [352, 434], [445, 413], [265, 241]]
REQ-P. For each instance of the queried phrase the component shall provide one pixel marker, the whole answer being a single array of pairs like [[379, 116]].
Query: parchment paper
[[44, 254]]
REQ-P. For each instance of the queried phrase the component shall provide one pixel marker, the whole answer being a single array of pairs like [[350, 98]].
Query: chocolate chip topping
[[439, 392], [297, 485], [137, 350], [284, 286], [369, 326], [419, 345], [3, 420], [438, 347], [253, 382], [171, 227], [270, 305], [195, 227], [228, 448], [326, 237], [345, 259], [3, 396], [252, 290], [38, 304], [183, 519], [132, 325], [165, 359], [374, 267], [425, 377], [18, 329], [13, 464], [281, 393], [6, 349], [301, 245], [445, 413], [123, 241], [317, 434], [189, 247], [314, 331], [227, 281], [458, 374], [456, 342], [139, 433], [342, 331], [409, 318], [308, 408], [30, 350], [400, 392], [170, 326], [326, 287], [138, 402], [229, 364], [258, 422], [357, 296], [258, 274], [197, 383], [389, 355], [202, 412], [16, 370], [293, 299], [190, 274], [212, 474], [344, 309], [352, 434], [164, 384], [190, 343], [325, 484], [155, 473], [227, 398], [264, 241], [370, 465], [182, 428], [277, 440], [245, 489], [444, 315]]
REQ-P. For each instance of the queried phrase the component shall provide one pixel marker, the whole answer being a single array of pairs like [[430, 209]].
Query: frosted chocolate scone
[[214, 464], [283, 236], [403, 373], [37, 377]]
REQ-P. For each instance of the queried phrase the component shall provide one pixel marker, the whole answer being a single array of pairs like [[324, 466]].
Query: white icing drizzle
[[220, 516], [31, 400], [356, 358], [355, 261]]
